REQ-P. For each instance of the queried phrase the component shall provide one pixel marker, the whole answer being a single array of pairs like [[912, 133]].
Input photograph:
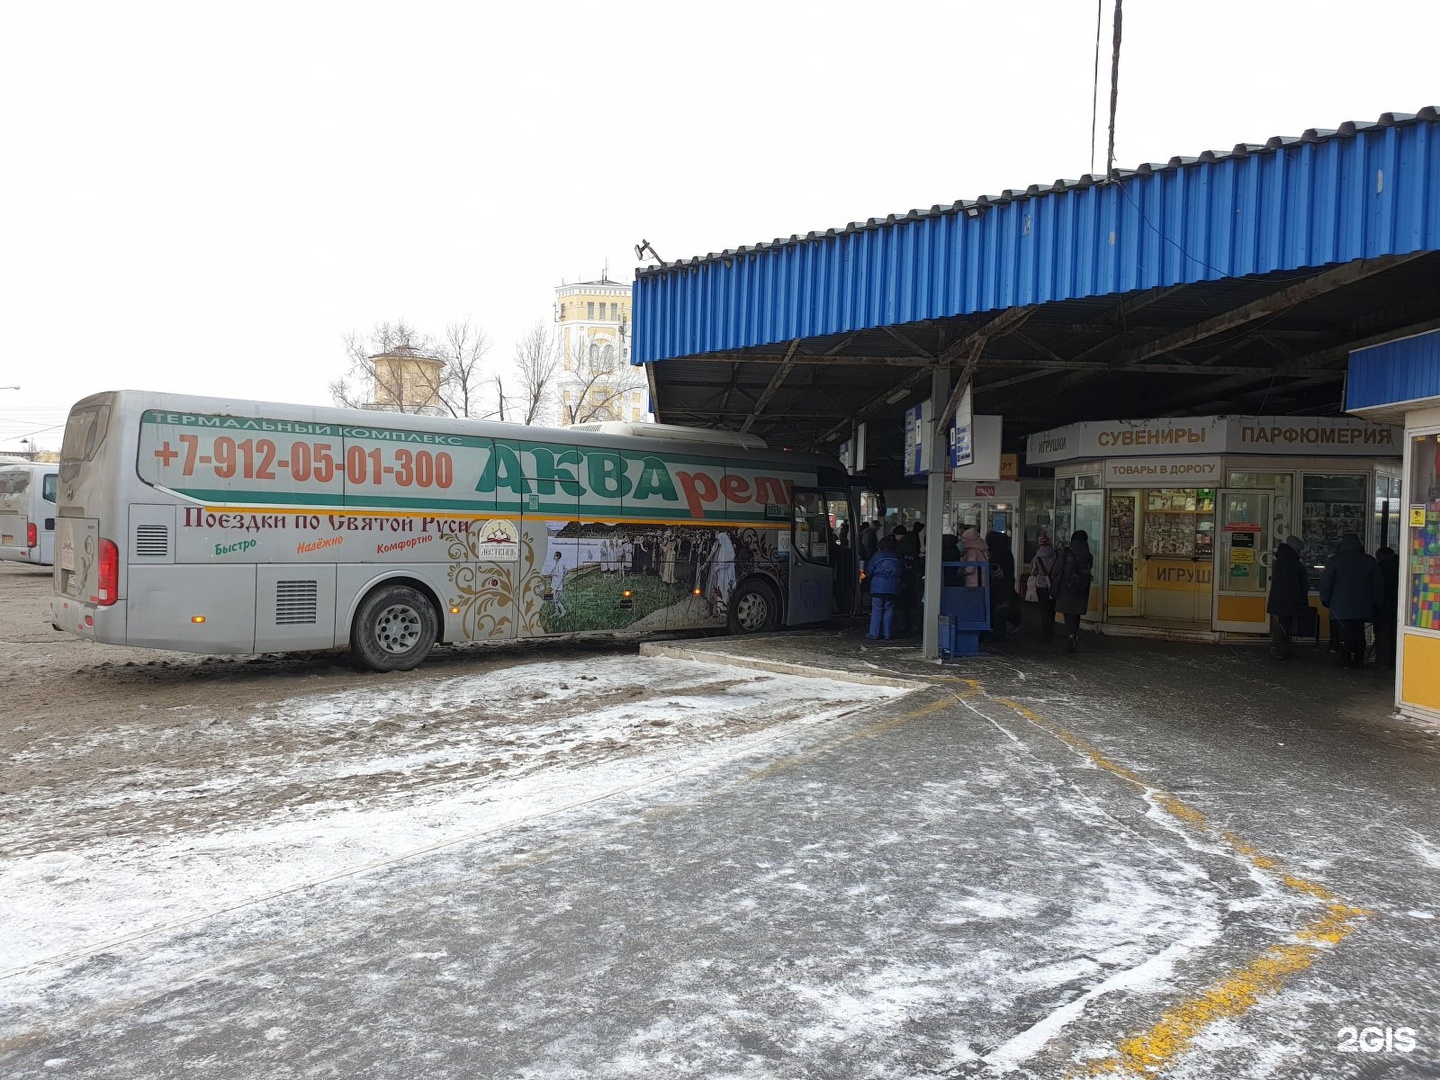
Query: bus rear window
[[14, 481], [84, 434]]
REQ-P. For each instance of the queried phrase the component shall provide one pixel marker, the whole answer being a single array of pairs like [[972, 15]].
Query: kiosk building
[[1184, 513], [1399, 382]]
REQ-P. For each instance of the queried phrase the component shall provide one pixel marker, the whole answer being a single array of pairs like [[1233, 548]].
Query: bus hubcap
[[397, 629], [752, 611]]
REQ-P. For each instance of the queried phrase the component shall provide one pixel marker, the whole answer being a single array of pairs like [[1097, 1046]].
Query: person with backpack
[[1072, 583], [1040, 586], [883, 570]]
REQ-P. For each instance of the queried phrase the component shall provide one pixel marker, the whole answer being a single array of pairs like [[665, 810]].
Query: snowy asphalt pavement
[[1147, 860]]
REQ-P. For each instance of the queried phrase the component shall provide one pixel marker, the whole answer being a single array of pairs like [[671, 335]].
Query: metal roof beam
[[820, 359], [903, 340], [1323, 365], [1269, 306], [974, 342], [974, 347], [769, 391], [1276, 303]]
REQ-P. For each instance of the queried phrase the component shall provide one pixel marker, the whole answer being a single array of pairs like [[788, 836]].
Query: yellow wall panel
[[1420, 675], [1243, 609]]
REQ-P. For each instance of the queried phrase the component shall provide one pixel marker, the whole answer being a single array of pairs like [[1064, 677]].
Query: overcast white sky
[[205, 197]]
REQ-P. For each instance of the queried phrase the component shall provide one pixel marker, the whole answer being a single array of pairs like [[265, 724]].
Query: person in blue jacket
[[883, 570]]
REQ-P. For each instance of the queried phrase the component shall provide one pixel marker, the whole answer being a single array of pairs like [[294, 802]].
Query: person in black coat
[[907, 546], [1388, 611], [1002, 582], [1072, 585], [1352, 589], [1289, 595]]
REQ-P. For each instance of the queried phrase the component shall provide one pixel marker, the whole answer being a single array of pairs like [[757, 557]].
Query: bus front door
[[812, 575]]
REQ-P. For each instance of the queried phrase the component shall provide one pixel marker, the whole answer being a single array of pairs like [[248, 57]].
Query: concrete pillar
[[934, 506]]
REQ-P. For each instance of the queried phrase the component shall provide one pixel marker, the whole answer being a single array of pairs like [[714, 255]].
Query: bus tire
[[395, 628], [754, 608]]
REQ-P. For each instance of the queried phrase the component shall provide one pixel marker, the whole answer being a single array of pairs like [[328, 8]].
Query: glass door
[[1090, 518], [1121, 596], [1243, 555]]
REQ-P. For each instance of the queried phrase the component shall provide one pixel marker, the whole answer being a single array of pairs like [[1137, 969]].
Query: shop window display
[[1423, 608], [1331, 506], [1122, 539], [1179, 522], [1064, 508]]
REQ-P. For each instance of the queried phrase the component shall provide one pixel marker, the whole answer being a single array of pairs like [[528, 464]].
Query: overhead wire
[[1114, 91], [1095, 90]]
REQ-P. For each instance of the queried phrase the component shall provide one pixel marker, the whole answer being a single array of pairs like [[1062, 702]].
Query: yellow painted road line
[[1149, 1054], [1152, 1052]]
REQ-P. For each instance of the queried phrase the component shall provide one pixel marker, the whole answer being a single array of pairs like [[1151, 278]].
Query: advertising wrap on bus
[[497, 531]]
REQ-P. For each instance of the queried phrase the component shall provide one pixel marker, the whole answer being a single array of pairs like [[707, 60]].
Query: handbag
[[1039, 575]]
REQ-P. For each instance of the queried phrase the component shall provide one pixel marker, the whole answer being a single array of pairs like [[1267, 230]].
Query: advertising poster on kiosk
[[1424, 547]]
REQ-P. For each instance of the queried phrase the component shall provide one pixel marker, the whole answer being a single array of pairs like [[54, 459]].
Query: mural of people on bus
[[596, 576]]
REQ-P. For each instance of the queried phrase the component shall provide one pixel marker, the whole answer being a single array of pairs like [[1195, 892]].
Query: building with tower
[[597, 381]]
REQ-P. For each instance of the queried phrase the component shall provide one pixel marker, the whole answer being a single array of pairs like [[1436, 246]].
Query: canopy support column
[[934, 507]]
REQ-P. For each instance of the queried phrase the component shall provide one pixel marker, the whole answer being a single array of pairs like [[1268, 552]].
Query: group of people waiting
[[1355, 587], [1059, 581], [893, 567]]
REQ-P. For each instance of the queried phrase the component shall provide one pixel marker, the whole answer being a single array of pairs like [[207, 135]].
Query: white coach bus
[[217, 526], [27, 512]]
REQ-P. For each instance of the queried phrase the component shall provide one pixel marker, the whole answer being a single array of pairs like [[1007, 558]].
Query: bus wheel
[[394, 629], [754, 609]]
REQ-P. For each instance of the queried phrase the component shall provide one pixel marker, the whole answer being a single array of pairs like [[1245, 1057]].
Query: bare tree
[[464, 377], [537, 362], [397, 368], [600, 381], [379, 375]]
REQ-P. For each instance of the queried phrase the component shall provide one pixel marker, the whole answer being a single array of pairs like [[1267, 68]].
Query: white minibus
[[27, 512]]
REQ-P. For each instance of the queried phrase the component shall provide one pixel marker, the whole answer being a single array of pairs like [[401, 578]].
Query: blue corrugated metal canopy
[[1231, 282]]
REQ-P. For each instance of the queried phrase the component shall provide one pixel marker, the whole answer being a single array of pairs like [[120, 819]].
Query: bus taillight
[[32, 535], [107, 589]]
